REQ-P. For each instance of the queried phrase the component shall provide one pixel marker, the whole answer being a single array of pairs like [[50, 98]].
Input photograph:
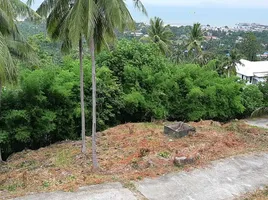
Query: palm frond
[[7, 67], [138, 4], [260, 112]]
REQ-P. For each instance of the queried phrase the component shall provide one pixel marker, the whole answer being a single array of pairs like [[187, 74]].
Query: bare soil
[[126, 152]]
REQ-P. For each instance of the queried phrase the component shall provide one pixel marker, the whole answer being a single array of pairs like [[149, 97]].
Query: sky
[[212, 12]]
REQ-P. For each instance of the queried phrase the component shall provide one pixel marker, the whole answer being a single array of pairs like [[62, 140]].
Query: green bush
[[252, 98], [134, 83]]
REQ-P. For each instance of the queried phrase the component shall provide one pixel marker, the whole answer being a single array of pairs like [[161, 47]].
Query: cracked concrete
[[223, 179]]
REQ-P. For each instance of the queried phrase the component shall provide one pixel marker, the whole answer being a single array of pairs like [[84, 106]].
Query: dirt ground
[[258, 195], [126, 152]]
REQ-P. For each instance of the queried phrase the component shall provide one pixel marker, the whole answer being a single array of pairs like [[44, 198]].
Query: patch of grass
[[28, 164], [46, 184], [71, 178], [63, 158], [257, 195], [12, 187], [164, 154], [130, 185]]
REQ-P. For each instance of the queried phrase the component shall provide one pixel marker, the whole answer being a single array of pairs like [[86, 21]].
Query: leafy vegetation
[[177, 76], [135, 83]]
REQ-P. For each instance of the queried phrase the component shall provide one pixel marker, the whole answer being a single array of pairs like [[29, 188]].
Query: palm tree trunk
[[94, 147], [228, 73], [1, 160], [0, 115], [83, 133]]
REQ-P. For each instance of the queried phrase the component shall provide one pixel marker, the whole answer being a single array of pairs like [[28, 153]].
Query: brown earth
[[126, 152]]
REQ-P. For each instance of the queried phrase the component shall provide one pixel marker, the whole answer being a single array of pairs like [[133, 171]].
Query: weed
[[144, 152], [12, 187], [71, 177], [63, 158], [164, 154], [46, 184], [134, 164], [130, 185]]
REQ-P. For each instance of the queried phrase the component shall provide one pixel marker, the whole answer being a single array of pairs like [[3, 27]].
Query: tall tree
[[58, 30], [11, 42], [250, 47], [195, 39], [96, 21], [109, 16], [231, 61], [160, 34]]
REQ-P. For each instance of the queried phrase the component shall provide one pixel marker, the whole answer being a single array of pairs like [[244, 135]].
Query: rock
[[178, 129], [180, 161], [215, 124]]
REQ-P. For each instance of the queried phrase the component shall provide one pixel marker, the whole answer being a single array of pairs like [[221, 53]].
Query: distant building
[[252, 72], [264, 55], [211, 38]]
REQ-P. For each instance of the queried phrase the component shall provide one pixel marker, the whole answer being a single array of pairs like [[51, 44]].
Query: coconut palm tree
[[93, 20], [57, 29], [11, 42], [159, 34], [231, 61], [195, 39], [109, 16]]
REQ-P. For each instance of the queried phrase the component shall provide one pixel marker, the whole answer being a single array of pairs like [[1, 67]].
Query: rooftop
[[249, 68]]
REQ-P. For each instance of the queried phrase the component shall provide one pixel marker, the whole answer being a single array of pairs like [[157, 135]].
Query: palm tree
[[57, 30], [11, 42], [109, 16], [203, 58], [160, 34], [231, 61], [195, 39], [95, 21]]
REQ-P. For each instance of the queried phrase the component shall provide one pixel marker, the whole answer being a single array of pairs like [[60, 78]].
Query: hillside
[[126, 152]]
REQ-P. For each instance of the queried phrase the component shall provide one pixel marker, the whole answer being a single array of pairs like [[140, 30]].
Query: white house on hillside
[[252, 72]]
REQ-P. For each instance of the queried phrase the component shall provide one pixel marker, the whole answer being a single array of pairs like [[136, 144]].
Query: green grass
[[63, 158]]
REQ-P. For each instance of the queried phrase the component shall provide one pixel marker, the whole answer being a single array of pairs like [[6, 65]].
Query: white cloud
[[209, 3]]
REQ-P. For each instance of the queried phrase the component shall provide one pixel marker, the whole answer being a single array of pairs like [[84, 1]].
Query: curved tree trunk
[[83, 133], [94, 147]]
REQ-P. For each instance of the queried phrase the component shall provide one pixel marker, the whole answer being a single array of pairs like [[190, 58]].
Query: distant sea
[[213, 16]]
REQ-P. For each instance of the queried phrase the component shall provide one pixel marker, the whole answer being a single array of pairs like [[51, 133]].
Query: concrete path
[[112, 191], [224, 179], [259, 122]]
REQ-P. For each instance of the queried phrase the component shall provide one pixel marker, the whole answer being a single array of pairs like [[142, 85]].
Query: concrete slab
[[259, 122], [222, 180], [112, 191]]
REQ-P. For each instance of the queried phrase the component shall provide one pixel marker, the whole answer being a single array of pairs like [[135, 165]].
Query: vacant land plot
[[126, 152]]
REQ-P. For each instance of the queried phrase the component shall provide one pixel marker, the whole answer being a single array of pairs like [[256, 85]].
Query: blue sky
[[213, 12]]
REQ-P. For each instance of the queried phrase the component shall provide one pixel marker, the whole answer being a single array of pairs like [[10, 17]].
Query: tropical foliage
[[160, 34], [135, 83], [195, 39]]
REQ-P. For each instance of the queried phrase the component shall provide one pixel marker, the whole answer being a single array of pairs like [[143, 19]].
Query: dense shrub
[[264, 89], [45, 107], [154, 88], [134, 83], [252, 98]]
